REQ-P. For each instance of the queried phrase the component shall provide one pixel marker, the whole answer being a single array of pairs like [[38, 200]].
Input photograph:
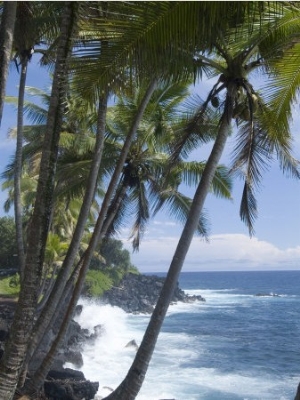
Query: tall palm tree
[[33, 23], [24, 43], [11, 362], [261, 137]]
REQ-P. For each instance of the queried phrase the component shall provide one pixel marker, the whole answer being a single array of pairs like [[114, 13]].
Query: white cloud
[[223, 252], [164, 223]]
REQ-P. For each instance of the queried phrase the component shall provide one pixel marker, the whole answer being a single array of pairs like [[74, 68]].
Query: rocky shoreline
[[135, 294], [139, 294]]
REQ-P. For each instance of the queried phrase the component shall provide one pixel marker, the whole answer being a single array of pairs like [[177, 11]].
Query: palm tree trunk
[[114, 208], [6, 41], [16, 346], [18, 171], [133, 381]]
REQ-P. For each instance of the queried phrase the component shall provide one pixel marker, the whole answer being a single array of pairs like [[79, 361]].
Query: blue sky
[[275, 245]]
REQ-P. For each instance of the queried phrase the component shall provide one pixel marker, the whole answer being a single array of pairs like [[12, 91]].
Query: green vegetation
[[8, 248], [107, 268], [96, 283], [10, 286]]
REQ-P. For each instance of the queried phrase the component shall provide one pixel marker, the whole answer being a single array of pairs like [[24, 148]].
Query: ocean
[[235, 346]]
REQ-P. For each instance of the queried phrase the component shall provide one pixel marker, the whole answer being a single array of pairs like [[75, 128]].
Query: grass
[[9, 286]]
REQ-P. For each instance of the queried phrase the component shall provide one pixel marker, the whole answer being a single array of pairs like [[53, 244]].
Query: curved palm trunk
[[44, 291], [16, 346], [58, 315], [18, 171], [42, 371], [133, 381], [6, 41], [114, 208]]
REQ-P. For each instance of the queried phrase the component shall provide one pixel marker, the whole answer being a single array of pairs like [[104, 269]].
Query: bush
[[10, 286], [96, 283]]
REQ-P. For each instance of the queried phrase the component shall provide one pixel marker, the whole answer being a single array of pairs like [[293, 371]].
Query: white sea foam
[[172, 374]]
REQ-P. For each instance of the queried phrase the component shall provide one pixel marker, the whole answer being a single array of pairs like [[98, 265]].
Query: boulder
[[69, 385]]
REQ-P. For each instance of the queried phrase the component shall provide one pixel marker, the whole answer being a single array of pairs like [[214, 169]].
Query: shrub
[[96, 283]]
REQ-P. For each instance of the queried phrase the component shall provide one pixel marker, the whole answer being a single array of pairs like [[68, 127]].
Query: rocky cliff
[[139, 294]]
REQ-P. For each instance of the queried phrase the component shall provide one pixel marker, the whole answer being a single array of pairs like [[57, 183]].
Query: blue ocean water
[[235, 346]]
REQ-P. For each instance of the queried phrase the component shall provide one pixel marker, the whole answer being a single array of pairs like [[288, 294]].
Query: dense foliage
[[8, 248]]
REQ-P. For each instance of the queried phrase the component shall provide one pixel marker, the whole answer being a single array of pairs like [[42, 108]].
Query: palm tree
[[24, 43], [31, 25], [145, 183], [8, 17], [261, 137], [11, 362]]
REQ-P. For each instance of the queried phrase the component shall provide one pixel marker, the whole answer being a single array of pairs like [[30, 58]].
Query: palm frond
[[35, 113], [126, 38], [248, 208], [178, 206], [195, 130], [142, 215], [251, 156], [283, 85], [190, 174]]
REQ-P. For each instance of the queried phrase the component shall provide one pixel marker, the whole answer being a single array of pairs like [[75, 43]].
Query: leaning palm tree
[[258, 138], [144, 180]]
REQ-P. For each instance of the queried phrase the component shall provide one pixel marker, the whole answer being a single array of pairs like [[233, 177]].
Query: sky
[[274, 246]]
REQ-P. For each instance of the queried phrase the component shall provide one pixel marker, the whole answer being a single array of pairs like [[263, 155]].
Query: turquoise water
[[235, 346]]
